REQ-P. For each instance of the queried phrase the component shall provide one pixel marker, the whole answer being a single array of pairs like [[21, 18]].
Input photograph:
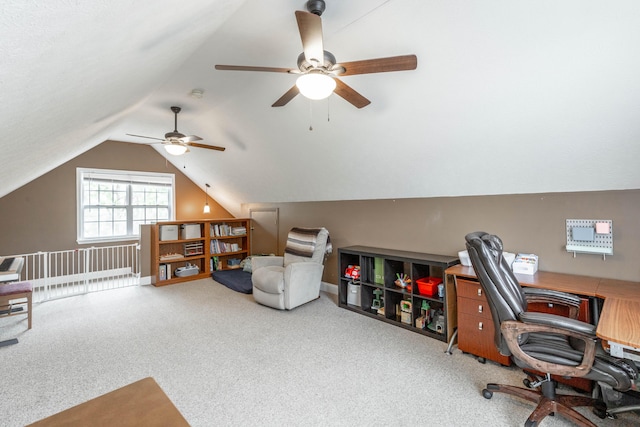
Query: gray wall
[[530, 223]]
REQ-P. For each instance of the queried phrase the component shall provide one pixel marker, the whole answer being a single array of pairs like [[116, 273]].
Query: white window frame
[[130, 177]]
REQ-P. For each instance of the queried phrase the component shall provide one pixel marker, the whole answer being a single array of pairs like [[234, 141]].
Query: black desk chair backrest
[[506, 301]]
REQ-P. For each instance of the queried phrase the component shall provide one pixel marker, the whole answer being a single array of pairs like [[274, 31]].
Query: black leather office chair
[[543, 342]]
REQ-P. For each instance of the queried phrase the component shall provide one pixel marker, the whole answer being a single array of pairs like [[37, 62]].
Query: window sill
[[101, 240]]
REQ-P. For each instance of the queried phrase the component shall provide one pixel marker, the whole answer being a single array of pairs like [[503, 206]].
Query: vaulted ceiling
[[508, 96]]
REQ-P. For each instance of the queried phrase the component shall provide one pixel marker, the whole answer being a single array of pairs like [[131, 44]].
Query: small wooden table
[[142, 403]]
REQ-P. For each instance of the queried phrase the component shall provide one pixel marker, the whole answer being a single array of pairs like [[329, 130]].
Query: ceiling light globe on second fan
[[315, 85], [175, 149]]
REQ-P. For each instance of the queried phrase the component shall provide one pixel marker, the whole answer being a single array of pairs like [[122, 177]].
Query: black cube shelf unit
[[403, 306]]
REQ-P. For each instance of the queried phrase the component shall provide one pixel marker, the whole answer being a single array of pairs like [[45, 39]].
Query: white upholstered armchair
[[285, 282]]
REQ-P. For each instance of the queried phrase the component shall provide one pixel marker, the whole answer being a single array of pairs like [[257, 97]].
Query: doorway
[[264, 231]]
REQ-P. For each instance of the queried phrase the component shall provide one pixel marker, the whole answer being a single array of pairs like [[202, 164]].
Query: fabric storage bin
[[168, 232], [353, 294]]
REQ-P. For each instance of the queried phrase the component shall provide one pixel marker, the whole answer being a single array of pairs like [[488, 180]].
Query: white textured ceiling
[[509, 96]]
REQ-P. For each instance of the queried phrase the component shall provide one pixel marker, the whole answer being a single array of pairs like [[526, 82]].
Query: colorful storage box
[[428, 285]]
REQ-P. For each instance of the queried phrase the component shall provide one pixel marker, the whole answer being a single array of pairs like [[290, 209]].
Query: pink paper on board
[[602, 228]]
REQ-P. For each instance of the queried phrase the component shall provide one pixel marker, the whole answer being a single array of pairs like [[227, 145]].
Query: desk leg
[[452, 341]]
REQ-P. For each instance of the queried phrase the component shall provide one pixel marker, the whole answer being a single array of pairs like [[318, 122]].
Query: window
[[112, 204]]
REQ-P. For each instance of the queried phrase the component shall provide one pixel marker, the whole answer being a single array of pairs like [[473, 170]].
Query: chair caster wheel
[[482, 360], [487, 394], [600, 413], [527, 383], [530, 423]]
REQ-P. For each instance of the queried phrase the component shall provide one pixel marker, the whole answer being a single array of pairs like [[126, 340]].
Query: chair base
[[548, 403]]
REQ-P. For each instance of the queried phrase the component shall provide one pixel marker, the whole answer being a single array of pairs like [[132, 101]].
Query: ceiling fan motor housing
[[328, 62], [316, 7], [173, 135]]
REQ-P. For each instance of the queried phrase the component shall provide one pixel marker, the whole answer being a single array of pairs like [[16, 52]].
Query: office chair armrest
[[512, 329], [547, 296], [556, 321]]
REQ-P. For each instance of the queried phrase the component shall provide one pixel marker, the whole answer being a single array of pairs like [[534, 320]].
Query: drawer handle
[[479, 292], [480, 326], [480, 308]]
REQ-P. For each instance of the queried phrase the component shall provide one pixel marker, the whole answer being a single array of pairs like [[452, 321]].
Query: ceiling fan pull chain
[[329, 109], [310, 115]]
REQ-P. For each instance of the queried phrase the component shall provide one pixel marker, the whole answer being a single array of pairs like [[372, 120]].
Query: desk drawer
[[475, 336], [476, 307], [469, 289]]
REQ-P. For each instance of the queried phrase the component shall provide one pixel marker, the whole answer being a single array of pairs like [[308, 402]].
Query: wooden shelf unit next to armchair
[[212, 248]]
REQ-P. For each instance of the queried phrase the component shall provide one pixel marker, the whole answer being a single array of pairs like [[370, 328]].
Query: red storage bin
[[429, 285]]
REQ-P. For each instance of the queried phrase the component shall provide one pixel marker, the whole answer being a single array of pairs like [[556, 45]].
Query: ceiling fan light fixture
[[175, 149], [315, 85]]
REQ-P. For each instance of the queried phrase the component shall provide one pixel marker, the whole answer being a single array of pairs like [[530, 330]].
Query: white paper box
[[168, 232], [525, 264], [191, 231], [464, 258]]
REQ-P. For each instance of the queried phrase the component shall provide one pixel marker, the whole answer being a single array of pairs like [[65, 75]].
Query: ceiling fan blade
[[210, 147], [380, 65], [249, 68], [310, 27], [350, 95], [190, 138], [288, 96], [148, 137]]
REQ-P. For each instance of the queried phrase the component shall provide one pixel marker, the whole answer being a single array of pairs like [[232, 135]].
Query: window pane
[[90, 214], [137, 197], [120, 214], [163, 198], [138, 214], [163, 214], [120, 198], [105, 229], [90, 229], [120, 228], [105, 214]]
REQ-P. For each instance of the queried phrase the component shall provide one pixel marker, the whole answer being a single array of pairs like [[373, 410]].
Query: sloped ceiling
[[509, 96]]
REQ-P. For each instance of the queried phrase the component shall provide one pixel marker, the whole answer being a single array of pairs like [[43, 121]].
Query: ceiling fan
[[176, 143], [318, 68]]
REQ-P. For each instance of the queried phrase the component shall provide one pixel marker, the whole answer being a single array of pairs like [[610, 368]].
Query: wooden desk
[[142, 403], [611, 288], [619, 321], [581, 285]]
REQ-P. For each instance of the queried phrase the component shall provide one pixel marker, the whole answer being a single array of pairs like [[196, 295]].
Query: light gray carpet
[[225, 360]]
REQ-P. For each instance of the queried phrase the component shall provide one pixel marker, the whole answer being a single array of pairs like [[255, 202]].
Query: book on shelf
[[238, 231], [225, 230], [218, 247], [162, 272]]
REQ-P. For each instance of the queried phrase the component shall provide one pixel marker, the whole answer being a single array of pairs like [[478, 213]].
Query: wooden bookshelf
[[217, 244]]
